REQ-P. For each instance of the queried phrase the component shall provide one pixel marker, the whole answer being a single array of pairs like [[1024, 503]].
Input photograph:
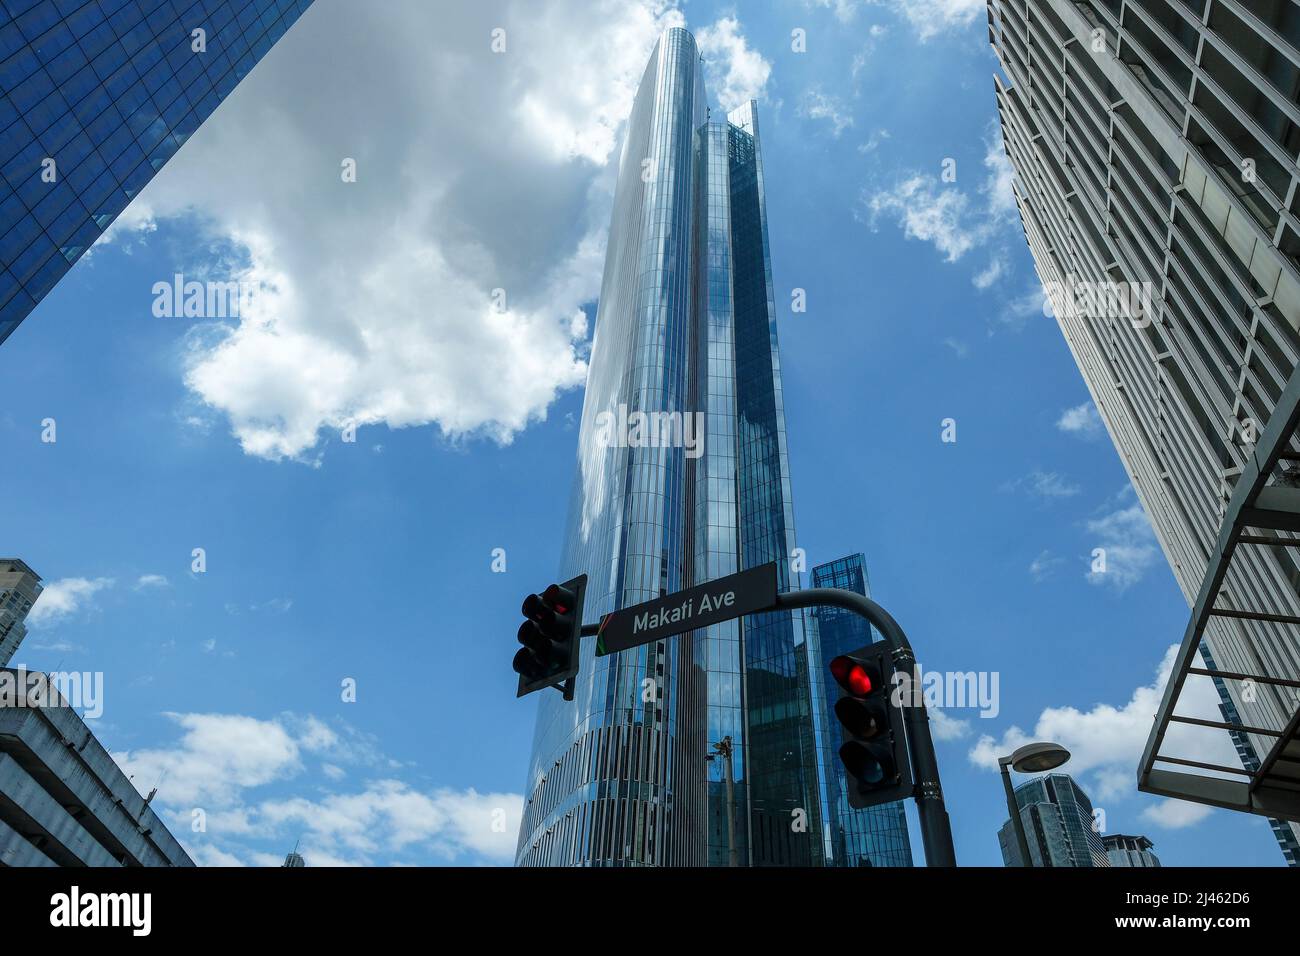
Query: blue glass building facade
[[876, 836], [95, 96], [686, 324]]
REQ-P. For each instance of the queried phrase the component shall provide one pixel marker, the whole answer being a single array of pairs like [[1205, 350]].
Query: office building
[[876, 836], [1058, 822], [95, 96], [1129, 850], [1154, 145], [63, 800], [686, 327], [20, 586]]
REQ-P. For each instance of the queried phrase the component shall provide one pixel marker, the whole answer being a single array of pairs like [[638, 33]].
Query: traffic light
[[551, 636], [874, 752]]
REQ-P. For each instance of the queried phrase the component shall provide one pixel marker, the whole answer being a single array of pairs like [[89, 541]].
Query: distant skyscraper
[[20, 586], [686, 326], [1059, 827], [294, 861], [95, 97], [876, 836], [1155, 145], [1129, 850], [63, 799]]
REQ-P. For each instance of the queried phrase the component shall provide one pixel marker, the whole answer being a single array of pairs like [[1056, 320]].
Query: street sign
[[747, 592]]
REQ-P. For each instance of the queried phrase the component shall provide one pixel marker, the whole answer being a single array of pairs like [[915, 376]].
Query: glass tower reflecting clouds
[[95, 96], [686, 323]]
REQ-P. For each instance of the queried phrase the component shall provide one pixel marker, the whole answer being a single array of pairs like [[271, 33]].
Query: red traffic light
[[855, 676], [559, 598], [550, 635]]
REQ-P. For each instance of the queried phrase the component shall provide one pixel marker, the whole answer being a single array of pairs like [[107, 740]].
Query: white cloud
[[222, 759], [65, 597], [817, 105], [931, 211], [844, 10], [205, 854], [1106, 741], [151, 581], [57, 647], [932, 17], [988, 278], [1019, 310], [958, 221], [1044, 484], [947, 728], [959, 348], [874, 141], [280, 605], [1042, 567], [475, 171], [1130, 545], [1176, 814], [218, 756], [736, 73], [1081, 420], [998, 191], [390, 816]]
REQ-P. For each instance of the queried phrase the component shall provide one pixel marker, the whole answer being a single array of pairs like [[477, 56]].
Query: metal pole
[[936, 831], [1014, 810], [722, 748], [733, 858]]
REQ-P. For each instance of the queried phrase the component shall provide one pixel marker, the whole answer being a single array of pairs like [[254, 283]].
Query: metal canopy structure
[[1258, 514]]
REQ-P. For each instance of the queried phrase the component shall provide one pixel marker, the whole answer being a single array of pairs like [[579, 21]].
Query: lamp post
[[723, 749], [1031, 758]]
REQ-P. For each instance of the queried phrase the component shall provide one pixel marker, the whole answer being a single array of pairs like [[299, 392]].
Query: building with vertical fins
[[20, 586], [1155, 150], [1129, 850], [1058, 822], [95, 96], [686, 324], [63, 799], [875, 836]]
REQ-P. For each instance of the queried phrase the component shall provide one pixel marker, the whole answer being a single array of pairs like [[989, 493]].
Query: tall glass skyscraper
[[876, 836], [686, 324], [95, 95], [1057, 816]]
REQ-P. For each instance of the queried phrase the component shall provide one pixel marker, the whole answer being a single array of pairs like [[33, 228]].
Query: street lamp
[[723, 749], [1031, 758]]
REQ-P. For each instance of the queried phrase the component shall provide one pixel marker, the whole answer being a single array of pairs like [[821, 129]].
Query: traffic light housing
[[874, 752], [551, 637]]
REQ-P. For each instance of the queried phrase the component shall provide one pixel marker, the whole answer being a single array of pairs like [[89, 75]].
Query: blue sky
[[371, 561]]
